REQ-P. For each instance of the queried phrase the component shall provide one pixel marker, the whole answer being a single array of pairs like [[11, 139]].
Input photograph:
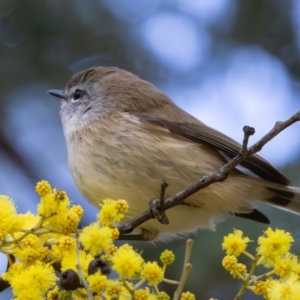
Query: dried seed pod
[[69, 280], [98, 264]]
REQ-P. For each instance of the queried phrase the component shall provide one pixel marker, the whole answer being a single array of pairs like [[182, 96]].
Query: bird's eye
[[77, 94]]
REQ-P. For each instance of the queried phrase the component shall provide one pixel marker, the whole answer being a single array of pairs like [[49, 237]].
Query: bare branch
[[219, 175]]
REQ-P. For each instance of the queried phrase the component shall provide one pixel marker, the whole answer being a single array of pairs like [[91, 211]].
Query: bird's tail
[[284, 197]]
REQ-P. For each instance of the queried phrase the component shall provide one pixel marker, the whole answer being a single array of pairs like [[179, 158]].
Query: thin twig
[[163, 185], [80, 271], [248, 131], [187, 267]]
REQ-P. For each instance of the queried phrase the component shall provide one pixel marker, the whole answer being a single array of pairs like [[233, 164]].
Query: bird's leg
[[155, 205], [155, 209], [145, 235]]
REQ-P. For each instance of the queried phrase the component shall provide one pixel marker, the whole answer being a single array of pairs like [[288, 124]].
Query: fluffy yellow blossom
[[285, 265], [54, 205], [66, 243], [112, 249], [142, 294], [116, 290], [127, 263], [43, 188], [30, 220], [108, 213], [57, 253], [31, 241], [28, 293], [235, 243], [286, 289], [126, 246], [115, 233], [187, 296], [27, 255], [70, 222], [78, 210], [152, 273], [163, 296], [274, 244], [96, 239], [113, 291], [34, 280], [53, 294], [59, 195], [122, 208], [48, 206], [15, 269], [296, 265], [44, 254], [70, 261], [229, 262], [240, 269], [41, 276], [97, 282], [112, 211], [167, 257], [12, 225], [10, 221], [261, 288]]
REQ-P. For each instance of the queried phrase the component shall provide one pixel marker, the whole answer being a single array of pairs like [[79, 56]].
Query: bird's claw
[[154, 209]]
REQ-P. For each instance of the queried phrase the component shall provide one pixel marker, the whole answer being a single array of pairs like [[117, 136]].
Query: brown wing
[[199, 132]]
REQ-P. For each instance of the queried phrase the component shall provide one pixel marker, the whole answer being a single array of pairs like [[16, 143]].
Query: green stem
[[131, 292], [249, 255], [246, 281], [28, 231], [169, 281], [270, 273], [138, 284], [80, 271], [183, 279], [187, 267]]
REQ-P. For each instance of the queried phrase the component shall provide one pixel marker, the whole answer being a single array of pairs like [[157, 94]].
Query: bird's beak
[[58, 93]]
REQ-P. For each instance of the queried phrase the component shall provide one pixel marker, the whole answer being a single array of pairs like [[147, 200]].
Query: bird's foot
[[145, 235]]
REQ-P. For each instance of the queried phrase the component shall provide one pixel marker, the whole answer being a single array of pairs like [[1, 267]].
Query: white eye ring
[[73, 100]]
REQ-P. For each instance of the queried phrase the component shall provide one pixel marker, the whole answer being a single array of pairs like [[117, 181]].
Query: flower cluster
[[39, 246], [282, 279]]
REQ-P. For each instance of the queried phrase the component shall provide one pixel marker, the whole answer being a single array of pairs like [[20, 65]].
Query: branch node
[[163, 184], [278, 123], [248, 131]]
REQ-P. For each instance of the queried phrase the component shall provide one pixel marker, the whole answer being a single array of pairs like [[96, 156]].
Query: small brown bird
[[124, 135]]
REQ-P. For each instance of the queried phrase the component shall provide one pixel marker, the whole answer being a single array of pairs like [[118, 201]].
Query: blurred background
[[230, 63]]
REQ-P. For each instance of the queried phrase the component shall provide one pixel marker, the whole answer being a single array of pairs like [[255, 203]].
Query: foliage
[[282, 279], [50, 242]]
